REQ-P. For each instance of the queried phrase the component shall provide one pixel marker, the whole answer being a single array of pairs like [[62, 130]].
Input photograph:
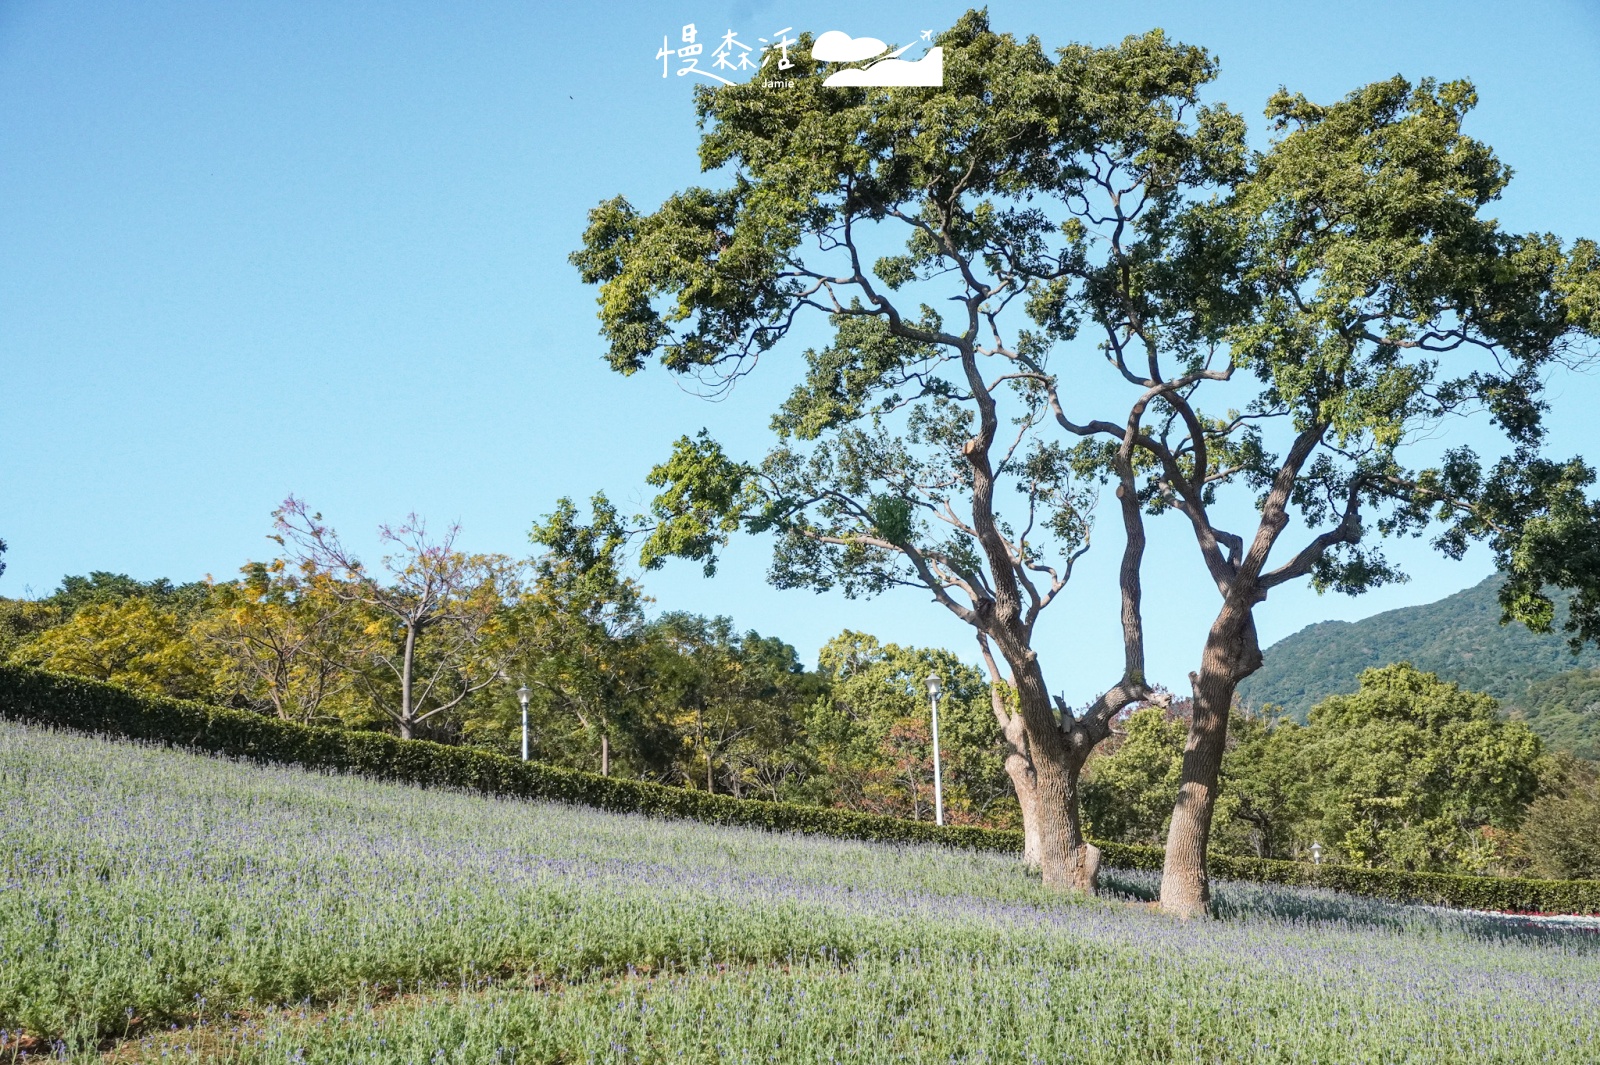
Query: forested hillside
[[1565, 711], [1459, 637]]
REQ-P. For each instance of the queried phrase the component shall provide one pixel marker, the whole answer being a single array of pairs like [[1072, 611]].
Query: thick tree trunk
[[1050, 782], [1231, 654], [1065, 859], [405, 730], [1185, 884]]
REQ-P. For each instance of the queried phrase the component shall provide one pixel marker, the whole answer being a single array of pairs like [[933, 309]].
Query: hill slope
[[145, 887], [1459, 637]]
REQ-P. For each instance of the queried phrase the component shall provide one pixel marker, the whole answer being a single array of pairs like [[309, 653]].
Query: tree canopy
[[937, 232], [133, 642], [1407, 771], [874, 740], [437, 616]]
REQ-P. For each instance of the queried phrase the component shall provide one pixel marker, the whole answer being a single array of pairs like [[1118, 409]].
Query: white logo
[[890, 71], [732, 57]]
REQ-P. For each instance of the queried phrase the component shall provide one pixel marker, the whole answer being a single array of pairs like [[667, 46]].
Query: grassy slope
[[142, 887], [1459, 637]]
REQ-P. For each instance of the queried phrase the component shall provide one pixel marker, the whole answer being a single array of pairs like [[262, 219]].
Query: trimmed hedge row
[[92, 706], [1503, 894], [1506, 894], [39, 697]]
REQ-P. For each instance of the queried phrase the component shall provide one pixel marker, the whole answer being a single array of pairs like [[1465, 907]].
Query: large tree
[[583, 650], [918, 450], [1561, 830], [1409, 770], [1289, 325], [286, 640], [738, 701], [1293, 344]]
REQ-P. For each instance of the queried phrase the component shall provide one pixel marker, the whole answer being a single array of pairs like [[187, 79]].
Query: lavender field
[[156, 905]]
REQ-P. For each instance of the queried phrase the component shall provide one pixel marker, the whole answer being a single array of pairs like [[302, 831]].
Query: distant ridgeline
[[1461, 639]]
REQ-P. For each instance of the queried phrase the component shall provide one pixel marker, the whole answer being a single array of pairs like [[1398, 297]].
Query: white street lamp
[[938, 775], [522, 695], [1316, 854]]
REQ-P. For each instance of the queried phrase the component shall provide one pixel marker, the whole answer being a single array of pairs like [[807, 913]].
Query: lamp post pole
[[938, 775], [522, 696]]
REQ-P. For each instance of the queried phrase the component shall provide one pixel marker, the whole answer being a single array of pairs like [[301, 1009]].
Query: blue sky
[[251, 249]]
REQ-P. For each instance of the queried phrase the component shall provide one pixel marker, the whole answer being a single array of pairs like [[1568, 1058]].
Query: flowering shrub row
[[39, 697]]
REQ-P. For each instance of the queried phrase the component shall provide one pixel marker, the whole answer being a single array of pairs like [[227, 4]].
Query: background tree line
[[1410, 772], [433, 642]]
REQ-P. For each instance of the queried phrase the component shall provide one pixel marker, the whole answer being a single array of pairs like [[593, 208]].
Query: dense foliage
[[1564, 710], [1409, 772], [1128, 786], [112, 627], [1459, 637], [874, 742], [1561, 832], [132, 643]]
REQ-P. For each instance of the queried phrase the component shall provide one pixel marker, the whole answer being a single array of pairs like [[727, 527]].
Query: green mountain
[[1461, 639]]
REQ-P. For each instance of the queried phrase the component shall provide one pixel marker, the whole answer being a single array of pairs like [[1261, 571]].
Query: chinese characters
[[731, 56]]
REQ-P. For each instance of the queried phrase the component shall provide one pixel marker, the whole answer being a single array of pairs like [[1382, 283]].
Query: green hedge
[[1507, 894], [92, 706], [1504, 894], [35, 696]]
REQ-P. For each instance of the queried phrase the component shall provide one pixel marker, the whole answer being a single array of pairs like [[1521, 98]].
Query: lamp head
[[933, 684], [522, 694]]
